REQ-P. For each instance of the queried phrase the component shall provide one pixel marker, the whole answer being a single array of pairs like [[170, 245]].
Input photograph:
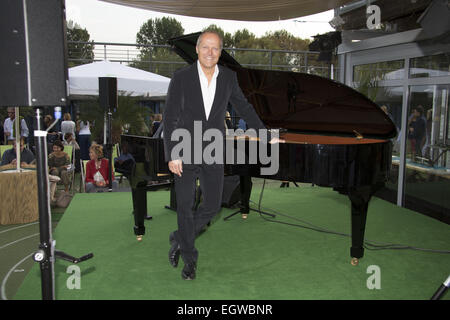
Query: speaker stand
[[245, 188], [46, 254]]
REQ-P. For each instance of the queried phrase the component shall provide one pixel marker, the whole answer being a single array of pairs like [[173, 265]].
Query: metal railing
[[132, 54]]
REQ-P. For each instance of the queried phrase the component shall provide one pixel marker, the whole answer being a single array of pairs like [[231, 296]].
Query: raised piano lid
[[301, 102]]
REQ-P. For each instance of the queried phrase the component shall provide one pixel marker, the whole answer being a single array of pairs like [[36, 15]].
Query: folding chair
[[83, 175], [70, 150], [3, 148], [71, 169]]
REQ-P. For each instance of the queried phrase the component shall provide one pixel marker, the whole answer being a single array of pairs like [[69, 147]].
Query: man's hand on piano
[[276, 140], [272, 141], [176, 167]]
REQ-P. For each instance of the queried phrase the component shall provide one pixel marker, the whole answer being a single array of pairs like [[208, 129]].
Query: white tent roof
[[83, 80], [249, 10]]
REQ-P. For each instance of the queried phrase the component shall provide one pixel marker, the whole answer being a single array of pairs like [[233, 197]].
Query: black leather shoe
[[174, 252], [188, 272]]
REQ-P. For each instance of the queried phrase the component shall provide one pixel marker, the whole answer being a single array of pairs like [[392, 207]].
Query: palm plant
[[129, 117]]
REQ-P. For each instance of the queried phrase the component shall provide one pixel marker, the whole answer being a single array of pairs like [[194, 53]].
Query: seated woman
[[97, 171], [59, 162]]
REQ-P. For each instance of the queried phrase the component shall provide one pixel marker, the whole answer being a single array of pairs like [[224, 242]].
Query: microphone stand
[[245, 187], [441, 290]]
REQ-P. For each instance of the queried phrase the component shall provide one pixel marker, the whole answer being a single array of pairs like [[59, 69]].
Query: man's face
[[21, 146], [209, 50], [11, 114]]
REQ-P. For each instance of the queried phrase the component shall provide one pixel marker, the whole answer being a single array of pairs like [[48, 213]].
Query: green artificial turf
[[246, 259]]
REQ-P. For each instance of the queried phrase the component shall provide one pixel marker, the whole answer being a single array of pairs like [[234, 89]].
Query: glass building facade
[[411, 82]]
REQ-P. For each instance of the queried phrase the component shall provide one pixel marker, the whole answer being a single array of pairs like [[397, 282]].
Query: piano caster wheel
[[139, 238], [244, 216], [354, 261]]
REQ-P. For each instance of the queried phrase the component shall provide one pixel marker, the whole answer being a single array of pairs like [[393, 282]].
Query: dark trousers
[[190, 220], [84, 142]]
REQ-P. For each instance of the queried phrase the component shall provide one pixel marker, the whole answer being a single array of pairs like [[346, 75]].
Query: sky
[[108, 22]]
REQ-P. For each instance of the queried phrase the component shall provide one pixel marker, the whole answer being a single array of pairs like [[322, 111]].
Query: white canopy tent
[[83, 80], [249, 10]]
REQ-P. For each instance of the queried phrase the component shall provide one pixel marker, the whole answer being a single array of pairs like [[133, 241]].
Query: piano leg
[[360, 200], [139, 195]]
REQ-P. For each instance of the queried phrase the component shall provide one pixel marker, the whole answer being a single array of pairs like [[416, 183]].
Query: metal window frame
[[400, 46]]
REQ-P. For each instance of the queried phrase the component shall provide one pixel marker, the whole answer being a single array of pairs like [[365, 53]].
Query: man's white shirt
[[8, 127], [208, 92]]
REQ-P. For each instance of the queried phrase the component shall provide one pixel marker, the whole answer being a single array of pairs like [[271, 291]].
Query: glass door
[[427, 171]]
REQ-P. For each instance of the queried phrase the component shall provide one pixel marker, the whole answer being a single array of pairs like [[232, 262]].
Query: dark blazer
[[184, 105]]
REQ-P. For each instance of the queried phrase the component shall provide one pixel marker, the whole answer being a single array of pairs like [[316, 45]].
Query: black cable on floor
[[368, 244]]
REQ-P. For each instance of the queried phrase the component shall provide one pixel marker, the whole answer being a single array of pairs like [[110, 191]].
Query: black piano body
[[355, 167], [145, 169], [335, 136]]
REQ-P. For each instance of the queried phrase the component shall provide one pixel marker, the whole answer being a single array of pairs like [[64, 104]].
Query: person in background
[[52, 133], [9, 127], [84, 134], [26, 156], [242, 124], [417, 126], [97, 170], [2, 136], [429, 125], [156, 123], [58, 163], [228, 123], [125, 158], [67, 126], [69, 140]]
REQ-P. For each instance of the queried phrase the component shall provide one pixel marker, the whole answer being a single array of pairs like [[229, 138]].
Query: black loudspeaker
[[107, 91], [33, 68], [231, 191]]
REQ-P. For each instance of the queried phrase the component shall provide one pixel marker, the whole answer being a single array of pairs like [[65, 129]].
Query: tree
[[157, 32], [130, 114], [78, 53], [278, 40], [283, 40], [241, 36]]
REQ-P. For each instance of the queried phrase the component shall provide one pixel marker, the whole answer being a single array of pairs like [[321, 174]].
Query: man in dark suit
[[197, 99]]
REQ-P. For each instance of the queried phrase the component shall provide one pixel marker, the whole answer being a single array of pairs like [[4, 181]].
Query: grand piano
[[335, 136]]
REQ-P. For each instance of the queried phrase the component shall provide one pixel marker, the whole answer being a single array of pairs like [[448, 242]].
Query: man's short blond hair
[[199, 39]]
